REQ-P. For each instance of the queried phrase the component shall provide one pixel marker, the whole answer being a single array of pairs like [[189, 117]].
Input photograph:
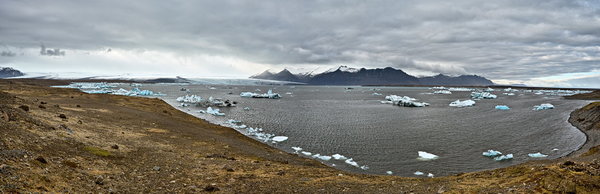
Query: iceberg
[[279, 138], [504, 157], [537, 155], [427, 156], [509, 94], [404, 101], [325, 158], [351, 162], [339, 157], [460, 89], [297, 149], [389, 172], [543, 106], [439, 88], [269, 94], [442, 92], [306, 153], [483, 95], [502, 107], [459, 103], [189, 99], [419, 173], [492, 153], [489, 89], [215, 111], [430, 175]]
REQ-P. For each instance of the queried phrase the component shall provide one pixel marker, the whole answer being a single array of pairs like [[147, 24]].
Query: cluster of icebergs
[[212, 111], [269, 94], [349, 161], [497, 155], [107, 88], [258, 133], [403, 101], [199, 101], [483, 95], [90, 85]]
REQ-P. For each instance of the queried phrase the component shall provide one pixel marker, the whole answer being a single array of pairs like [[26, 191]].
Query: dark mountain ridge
[[380, 76]]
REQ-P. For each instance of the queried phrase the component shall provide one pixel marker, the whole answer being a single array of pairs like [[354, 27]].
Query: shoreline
[[250, 164]]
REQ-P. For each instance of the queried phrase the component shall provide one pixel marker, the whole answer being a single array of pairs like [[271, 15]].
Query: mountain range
[[380, 76]]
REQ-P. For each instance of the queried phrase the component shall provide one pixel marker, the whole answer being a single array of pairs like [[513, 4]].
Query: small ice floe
[[460, 89], [459, 103], [351, 162], [429, 175], [555, 149], [544, 106], [419, 173], [306, 153], [215, 111], [239, 126], [389, 172], [189, 99], [426, 156], [184, 105], [339, 157], [212, 88], [269, 94], [504, 157], [279, 138], [289, 93], [538, 93], [492, 153], [246, 108], [297, 149], [324, 158], [231, 121], [135, 85], [509, 94], [502, 107], [184, 90], [537, 155], [510, 90], [376, 94], [489, 89], [364, 167], [442, 92], [404, 101], [439, 88], [483, 95]]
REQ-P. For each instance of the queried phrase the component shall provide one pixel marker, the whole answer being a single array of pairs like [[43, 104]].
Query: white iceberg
[[483, 95], [339, 157], [389, 172], [430, 175], [459, 103], [504, 157], [189, 99], [427, 156], [269, 94], [419, 173], [297, 149], [492, 153], [404, 101], [502, 107], [325, 158], [215, 111], [279, 138], [306, 153], [351, 162], [537, 155], [442, 92], [544, 106]]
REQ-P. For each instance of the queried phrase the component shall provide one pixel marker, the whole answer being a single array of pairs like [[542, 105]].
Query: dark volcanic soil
[[63, 140]]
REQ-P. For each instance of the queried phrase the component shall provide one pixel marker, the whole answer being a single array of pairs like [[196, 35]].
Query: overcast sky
[[536, 42]]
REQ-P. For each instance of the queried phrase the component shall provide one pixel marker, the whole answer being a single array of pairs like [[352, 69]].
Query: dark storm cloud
[[498, 39]]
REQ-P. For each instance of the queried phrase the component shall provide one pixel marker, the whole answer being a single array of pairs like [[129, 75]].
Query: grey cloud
[[498, 39]]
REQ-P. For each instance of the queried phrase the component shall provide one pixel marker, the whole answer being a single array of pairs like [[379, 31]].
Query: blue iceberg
[[492, 153], [537, 155], [502, 107]]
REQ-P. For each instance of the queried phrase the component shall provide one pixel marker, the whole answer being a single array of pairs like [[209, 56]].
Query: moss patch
[[97, 151]]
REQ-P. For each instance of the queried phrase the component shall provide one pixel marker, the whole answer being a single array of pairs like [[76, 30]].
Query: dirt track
[[107, 143]]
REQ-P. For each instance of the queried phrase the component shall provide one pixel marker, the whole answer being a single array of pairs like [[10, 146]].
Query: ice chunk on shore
[[351, 162], [543, 106], [537, 155], [459, 103], [364, 167], [419, 173], [306, 153], [502, 107], [269, 94], [430, 175], [442, 92], [389, 172], [325, 158], [189, 99], [339, 157], [483, 95], [504, 157], [297, 149], [427, 156], [215, 111], [404, 101], [492, 153], [279, 138]]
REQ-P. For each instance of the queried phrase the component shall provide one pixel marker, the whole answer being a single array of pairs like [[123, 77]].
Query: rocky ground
[[63, 140]]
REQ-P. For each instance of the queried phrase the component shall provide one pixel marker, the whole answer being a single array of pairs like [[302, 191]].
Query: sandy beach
[[64, 140]]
